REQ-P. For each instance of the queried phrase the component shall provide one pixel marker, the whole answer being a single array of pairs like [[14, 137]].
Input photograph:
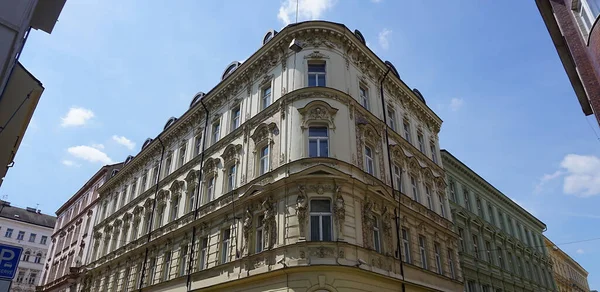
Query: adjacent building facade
[[575, 32], [70, 241], [501, 245], [568, 274], [282, 177], [31, 230], [20, 91]]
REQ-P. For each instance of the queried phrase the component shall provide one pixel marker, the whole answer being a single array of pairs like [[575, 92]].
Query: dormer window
[[230, 68]]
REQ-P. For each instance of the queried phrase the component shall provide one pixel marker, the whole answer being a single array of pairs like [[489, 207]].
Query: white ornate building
[[280, 178], [70, 242], [31, 230]]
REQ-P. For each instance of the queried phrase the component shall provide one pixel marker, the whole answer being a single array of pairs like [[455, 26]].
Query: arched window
[[26, 256], [230, 68], [197, 98], [146, 143], [269, 35], [128, 159], [170, 122], [38, 258]]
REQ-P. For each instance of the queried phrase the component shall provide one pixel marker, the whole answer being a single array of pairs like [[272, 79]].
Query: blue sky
[[115, 71]]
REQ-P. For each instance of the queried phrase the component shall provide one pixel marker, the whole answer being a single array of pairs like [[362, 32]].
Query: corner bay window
[[318, 142], [320, 220], [316, 74]]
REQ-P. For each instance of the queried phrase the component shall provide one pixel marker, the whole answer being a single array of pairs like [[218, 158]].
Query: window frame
[[231, 177], [316, 74], [420, 142], [415, 188], [259, 240], [369, 160], [423, 251], [406, 244], [182, 159], [215, 132], [397, 173], [236, 115], [225, 245], [451, 263], [428, 197], [266, 96], [438, 258], [166, 268], [318, 140], [203, 253], [320, 216], [363, 95], [264, 159], [407, 131], [391, 113], [376, 235]]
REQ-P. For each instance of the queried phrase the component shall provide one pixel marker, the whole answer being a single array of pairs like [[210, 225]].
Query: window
[[266, 97], [225, 245], [125, 284], [391, 118], [461, 239], [421, 142], [479, 210], [166, 265], [406, 127], [264, 160], [587, 11], [133, 189], [451, 263], [197, 144], [442, 206], [501, 262], [210, 186], [231, 178], [260, 236], [20, 276], [8, 233], [433, 152], [26, 256], [32, 237], [415, 189], [174, 208], [423, 252], [191, 199], [438, 258], [428, 196], [320, 220], [471, 286], [44, 239], [168, 163], [318, 142], [182, 259], [235, 118], [376, 235], [501, 218], [466, 198], [398, 177], [182, 155], [152, 268], [155, 174], [148, 223], [406, 245], [159, 216], [216, 129], [32, 278], [203, 253], [491, 214], [452, 191], [488, 251], [144, 184], [20, 235], [369, 167], [316, 74], [475, 245], [38, 258], [364, 96]]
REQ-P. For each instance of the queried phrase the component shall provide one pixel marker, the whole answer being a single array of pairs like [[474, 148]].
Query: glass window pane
[[324, 148], [314, 228], [312, 148], [326, 228], [312, 80], [316, 68], [317, 132], [321, 81], [320, 206]]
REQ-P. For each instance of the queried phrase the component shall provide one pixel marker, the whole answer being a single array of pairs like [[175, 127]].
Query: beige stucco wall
[[568, 274]]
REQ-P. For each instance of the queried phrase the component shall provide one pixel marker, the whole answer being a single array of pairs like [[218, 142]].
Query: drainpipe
[[389, 157], [197, 199], [162, 155]]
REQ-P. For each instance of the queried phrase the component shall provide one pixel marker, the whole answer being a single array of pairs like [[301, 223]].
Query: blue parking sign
[[9, 260]]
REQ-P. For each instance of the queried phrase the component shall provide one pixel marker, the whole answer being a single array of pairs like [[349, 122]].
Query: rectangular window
[[451, 263], [391, 118], [226, 236], [428, 196], [510, 261], [318, 142], [438, 258], [264, 160], [488, 251], [376, 235], [144, 184], [231, 178], [475, 245], [501, 262], [32, 278], [168, 163], [182, 151], [174, 208], [433, 152], [501, 219], [320, 220], [20, 276], [216, 132], [203, 253], [182, 260], [166, 266], [479, 209], [423, 252], [364, 96], [316, 74], [44, 239], [406, 245], [133, 189], [442, 206], [369, 167], [398, 178], [491, 214], [260, 236], [210, 186], [197, 144], [152, 271], [415, 189], [461, 239], [235, 118], [466, 199], [32, 237], [421, 142], [155, 174], [125, 283], [452, 187], [406, 127], [20, 235], [266, 97]]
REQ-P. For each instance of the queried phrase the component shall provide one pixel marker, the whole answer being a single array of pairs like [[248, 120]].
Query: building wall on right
[[572, 24], [568, 274], [501, 246]]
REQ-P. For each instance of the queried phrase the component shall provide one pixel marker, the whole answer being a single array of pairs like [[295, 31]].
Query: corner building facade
[[278, 179], [501, 245], [570, 276]]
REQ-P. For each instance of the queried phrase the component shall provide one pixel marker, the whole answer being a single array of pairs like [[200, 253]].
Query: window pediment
[[369, 134], [191, 178], [176, 188], [210, 167], [148, 203], [138, 210], [318, 112], [231, 153], [162, 196], [316, 55], [264, 133]]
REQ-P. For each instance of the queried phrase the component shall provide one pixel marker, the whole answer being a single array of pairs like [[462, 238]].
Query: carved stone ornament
[[316, 55], [161, 197], [270, 223], [210, 167], [231, 153], [176, 189], [318, 111], [191, 180], [339, 212], [367, 223], [264, 132], [247, 229], [386, 224], [301, 210]]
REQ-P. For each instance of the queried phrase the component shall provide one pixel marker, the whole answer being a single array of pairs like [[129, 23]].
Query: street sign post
[[9, 260]]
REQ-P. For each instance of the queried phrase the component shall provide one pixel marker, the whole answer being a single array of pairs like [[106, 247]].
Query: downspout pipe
[[391, 175], [162, 156], [197, 199]]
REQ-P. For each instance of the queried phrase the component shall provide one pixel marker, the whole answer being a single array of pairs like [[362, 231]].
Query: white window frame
[[363, 92], [266, 99], [406, 245], [231, 177], [210, 189], [451, 263], [461, 239], [236, 114], [319, 140], [438, 258], [166, 265], [216, 132], [203, 253], [421, 142], [182, 155], [406, 128], [197, 144], [316, 74], [260, 234], [182, 259], [398, 178], [225, 245], [415, 189], [442, 206], [168, 164], [423, 251], [174, 209], [475, 241], [391, 118], [376, 235], [433, 150], [369, 160], [428, 197], [320, 216], [263, 165]]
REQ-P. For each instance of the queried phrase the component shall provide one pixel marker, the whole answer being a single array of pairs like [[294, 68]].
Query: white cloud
[[77, 116], [124, 141], [89, 153], [545, 179], [98, 146], [307, 9], [456, 104], [384, 38], [69, 163], [580, 251], [582, 177]]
